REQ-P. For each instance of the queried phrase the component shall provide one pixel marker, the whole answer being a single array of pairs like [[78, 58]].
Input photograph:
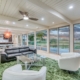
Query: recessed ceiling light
[[7, 22], [70, 7], [13, 22], [27, 25], [37, 27], [42, 19], [52, 22]]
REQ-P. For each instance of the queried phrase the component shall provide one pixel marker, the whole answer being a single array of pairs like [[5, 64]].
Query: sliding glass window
[[64, 37], [77, 38], [41, 40], [31, 40], [59, 40], [54, 40]]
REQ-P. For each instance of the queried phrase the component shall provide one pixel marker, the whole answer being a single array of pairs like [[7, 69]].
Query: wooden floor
[[49, 55]]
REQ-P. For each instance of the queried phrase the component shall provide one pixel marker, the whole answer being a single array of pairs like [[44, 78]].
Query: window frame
[[58, 37], [73, 36], [36, 40]]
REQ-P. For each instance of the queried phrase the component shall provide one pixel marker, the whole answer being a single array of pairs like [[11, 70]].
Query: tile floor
[[49, 55]]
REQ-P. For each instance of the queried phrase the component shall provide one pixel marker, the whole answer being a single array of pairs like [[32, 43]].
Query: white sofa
[[16, 73], [69, 61]]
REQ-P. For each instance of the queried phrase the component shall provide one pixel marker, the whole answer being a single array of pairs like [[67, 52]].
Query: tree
[[53, 41], [31, 37], [40, 35]]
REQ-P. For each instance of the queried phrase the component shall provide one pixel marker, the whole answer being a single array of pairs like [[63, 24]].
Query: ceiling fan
[[26, 16]]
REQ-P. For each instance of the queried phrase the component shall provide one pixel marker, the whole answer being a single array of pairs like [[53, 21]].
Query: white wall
[[15, 40]]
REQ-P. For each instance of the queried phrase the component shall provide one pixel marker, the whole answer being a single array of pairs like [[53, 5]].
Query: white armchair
[[69, 61], [16, 73]]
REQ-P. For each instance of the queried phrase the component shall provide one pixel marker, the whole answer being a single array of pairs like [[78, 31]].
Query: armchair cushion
[[69, 54], [15, 68]]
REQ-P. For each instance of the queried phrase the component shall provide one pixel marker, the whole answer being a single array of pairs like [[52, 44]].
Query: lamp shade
[[7, 34]]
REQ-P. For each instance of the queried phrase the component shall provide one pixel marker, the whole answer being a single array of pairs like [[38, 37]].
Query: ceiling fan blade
[[20, 19], [35, 19], [22, 13]]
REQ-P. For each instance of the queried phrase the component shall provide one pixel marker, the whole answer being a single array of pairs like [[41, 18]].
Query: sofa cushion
[[28, 52], [12, 55], [16, 50], [24, 49], [8, 51], [12, 50]]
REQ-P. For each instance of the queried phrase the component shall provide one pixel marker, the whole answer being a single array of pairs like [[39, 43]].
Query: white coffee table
[[25, 60], [30, 61]]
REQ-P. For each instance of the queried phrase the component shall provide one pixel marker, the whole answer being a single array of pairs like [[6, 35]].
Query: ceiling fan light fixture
[[25, 18]]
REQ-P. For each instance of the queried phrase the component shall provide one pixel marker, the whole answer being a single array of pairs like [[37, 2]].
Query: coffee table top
[[24, 59]]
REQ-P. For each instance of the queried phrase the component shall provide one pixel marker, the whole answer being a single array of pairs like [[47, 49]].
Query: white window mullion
[[48, 41]]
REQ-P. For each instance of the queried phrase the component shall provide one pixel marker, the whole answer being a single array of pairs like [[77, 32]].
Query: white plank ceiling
[[9, 10], [62, 6]]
